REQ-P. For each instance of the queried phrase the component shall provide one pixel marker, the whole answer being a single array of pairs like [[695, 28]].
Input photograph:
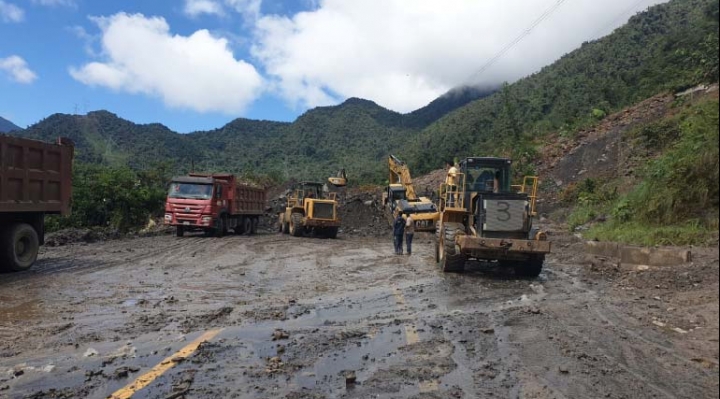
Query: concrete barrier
[[633, 255]]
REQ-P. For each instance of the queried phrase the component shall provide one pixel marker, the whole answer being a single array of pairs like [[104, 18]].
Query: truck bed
[[34, 176], [249, 200]]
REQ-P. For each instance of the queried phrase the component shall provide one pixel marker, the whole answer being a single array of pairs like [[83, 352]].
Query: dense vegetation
[[670, 47], [677, 199]]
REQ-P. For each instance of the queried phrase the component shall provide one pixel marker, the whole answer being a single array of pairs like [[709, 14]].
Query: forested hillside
[[670, 47]]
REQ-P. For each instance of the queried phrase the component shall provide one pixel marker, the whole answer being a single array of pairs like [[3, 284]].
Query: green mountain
[[669, 47], [356, 134], [7, 126]]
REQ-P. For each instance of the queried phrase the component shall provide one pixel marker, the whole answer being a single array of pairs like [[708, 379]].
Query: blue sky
[[198, 64]]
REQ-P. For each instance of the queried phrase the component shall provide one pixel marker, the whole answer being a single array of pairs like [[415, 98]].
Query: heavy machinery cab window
[[484, 178], [190, 191]]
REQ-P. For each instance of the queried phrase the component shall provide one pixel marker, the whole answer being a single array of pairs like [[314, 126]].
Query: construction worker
[[398, 232], [409, 232], [451, 183]]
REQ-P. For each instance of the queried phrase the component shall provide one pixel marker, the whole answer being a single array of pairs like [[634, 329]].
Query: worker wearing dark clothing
[[409, 233], [398, 233]]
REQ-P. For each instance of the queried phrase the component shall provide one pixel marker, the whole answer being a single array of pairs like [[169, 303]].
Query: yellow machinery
[[483, 217], [400, 198], [310, 210], [339, 180]]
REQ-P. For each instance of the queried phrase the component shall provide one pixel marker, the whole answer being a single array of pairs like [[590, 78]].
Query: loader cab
[[308, 190], [486, 175], [395, 193]]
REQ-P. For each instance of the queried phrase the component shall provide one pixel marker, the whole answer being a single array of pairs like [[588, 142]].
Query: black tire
[[532, 268], [222, 227], [239, 228], [286, 227], [296, 227], [449, 260], [247, 225], [180, 231], [254, 222], [331, 232], [19, 247]]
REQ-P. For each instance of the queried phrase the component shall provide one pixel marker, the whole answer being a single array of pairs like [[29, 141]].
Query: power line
[[617, 18], [518, 39]]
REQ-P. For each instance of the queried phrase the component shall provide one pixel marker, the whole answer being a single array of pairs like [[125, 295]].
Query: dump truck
[[213, 203], [400, 198], [35, 180], [310, 209], [483, 217]]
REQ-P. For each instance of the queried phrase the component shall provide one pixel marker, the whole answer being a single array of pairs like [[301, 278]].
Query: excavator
[[400, 198]]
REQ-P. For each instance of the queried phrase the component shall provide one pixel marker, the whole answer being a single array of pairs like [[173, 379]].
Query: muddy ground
[[316, 318]]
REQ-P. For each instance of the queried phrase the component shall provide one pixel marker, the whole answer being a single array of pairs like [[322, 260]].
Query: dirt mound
[[362, 215], [425, 185], [74, 236]]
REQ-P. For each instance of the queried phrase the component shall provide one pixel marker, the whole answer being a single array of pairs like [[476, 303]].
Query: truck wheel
[[239, 227], [247, 225], [180, 231], [254, 222], [331, 232], [285, 226], [531, 268], [449, 260], [19, 247], [296, 228], [222, 227]]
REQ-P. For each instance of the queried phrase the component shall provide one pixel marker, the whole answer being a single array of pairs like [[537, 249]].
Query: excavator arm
[[400, 174]]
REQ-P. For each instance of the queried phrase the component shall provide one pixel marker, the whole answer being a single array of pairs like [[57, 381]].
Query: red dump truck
[[213, 203], [35, 180]]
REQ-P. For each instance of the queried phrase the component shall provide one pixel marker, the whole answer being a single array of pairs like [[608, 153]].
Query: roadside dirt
[[319, 318]]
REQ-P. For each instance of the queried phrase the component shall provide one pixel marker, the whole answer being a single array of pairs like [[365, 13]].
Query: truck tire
[[449, 260], [296, 227], [254, 222], [239, 227], [222, 227], [247, 225], [19, 247], [180, 231], [530, 268], [331, 232]]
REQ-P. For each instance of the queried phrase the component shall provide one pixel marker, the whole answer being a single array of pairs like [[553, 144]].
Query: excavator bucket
[[340, 180]]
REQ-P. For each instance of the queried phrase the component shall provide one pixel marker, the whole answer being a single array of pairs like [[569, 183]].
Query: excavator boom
[[400, 174]]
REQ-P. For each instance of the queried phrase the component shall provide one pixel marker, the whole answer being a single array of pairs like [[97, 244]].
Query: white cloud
[[250, 9], [17, 69], [10, 12], [197, 72], [194, 8], [403, 54]]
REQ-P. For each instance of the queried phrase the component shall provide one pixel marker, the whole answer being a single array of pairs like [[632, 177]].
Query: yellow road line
[[399, 297], [411, 335], [144, 380]]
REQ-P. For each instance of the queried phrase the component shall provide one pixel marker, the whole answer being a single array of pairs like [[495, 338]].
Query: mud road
[[273, 316]]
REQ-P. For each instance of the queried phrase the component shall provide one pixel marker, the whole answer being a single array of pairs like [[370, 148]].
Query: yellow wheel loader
[[310, 210], [483, 217]]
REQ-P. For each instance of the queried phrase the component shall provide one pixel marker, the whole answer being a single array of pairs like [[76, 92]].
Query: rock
[[90, 352], [350, 378], [488, 330], [679, 330], [564, 370], [280, 334]]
